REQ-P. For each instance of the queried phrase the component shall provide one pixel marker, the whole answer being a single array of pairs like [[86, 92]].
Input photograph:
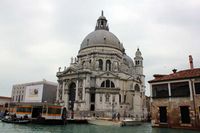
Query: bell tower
[[138, 62]]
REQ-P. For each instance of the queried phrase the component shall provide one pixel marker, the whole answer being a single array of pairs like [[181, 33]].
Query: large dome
[[101, 37]]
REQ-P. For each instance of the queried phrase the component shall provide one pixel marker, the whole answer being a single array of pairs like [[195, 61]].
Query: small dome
[[128, 61], [101, 38], [102, 17]]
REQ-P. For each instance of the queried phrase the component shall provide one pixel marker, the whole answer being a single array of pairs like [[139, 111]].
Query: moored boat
[[130, 122], [15, 121], [40, 113], [104, 122]]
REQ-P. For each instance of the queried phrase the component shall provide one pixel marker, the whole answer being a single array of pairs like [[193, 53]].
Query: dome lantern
[[102, 23]]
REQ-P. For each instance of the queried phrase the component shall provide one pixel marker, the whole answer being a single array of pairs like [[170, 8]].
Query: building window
[[92, 98], [22, 98], [83, 63], [185, 114], [160, 91], [108, 65], [101, 23], [119, 98], [108, 84], [137, 62], [180, 89], [163, 114], [137, 87], [19, 98], [100, 64], [197, 88], [124, 98], [107, 96], [112, 85], [103, 84], [100, 98]]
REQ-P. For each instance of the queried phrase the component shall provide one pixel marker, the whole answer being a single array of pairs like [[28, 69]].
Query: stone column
[[87, 82], [76, 98], [83, 94], [57, 92], [87, 101], [104, 64], [63, 89]]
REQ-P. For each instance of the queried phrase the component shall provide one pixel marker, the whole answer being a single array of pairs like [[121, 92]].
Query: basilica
[[102, 78]]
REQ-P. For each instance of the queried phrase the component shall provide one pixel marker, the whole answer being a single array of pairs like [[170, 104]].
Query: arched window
[[83, 64], [103, 84], [108, 65], [137, 87], [108, 84], [100, 64]]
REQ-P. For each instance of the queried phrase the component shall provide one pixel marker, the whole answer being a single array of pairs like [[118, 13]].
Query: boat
[[104, 122], [130, 122], [42, 113], [15, 121]]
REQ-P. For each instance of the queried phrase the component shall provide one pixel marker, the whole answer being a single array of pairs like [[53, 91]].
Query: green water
[[72, 128]]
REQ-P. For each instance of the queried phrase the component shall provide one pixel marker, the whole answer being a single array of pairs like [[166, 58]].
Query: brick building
[[175, 99]]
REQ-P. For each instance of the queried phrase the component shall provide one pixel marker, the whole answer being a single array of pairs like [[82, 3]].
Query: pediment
[[108, 75], [69, 70]]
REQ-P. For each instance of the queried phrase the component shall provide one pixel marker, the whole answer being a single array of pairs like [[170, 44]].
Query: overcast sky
[[38, 36]]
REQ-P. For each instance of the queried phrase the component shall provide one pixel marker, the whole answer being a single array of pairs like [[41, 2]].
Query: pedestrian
[[72, 114], [118, 116]]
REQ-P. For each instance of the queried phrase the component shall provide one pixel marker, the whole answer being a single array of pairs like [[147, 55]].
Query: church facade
[[102, 79]]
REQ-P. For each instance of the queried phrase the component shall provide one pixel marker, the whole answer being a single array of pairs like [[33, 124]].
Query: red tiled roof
[[184, 74]]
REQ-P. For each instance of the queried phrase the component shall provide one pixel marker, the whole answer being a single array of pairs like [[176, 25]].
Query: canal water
[[85, 128]]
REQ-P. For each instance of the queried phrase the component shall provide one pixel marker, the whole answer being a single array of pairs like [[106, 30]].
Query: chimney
[[191, 62], [174, 70]]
